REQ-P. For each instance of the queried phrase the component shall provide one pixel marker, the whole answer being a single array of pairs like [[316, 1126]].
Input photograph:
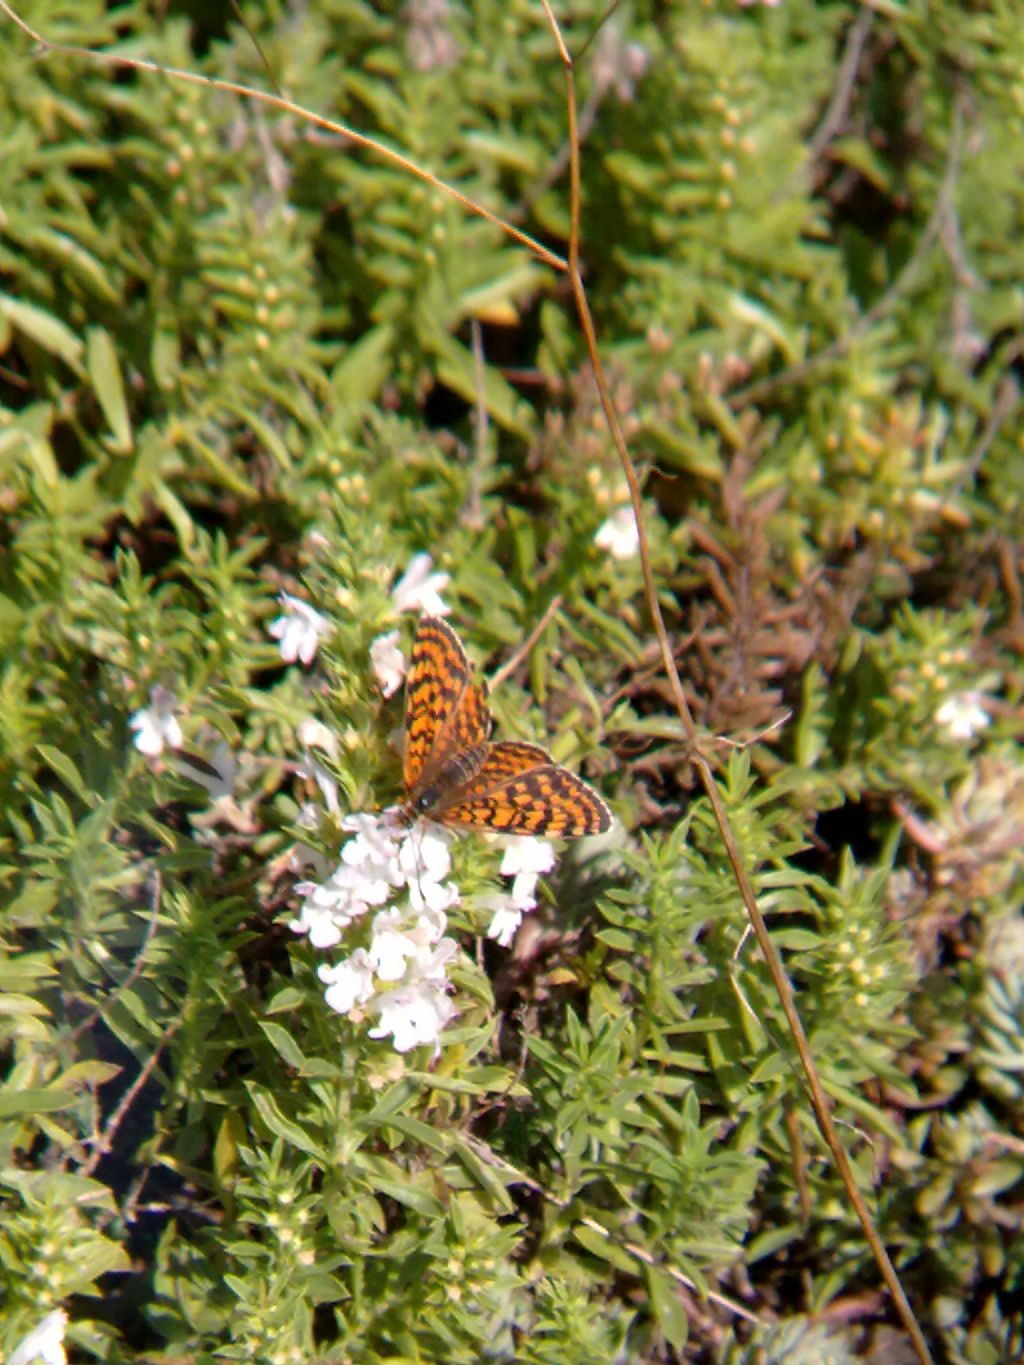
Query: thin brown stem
[[105, 1140], [818, 1098], [514, 660], [835, 114]]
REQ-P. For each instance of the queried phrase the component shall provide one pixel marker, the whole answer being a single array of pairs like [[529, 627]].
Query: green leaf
[[25, 970], [87, 1264], [176, 512], [410, 1195], [282, 1127], [601, 1245], [284, 1044], [66, 771], [31, 905], [165, 353], [44, 329], [35, 1100], [493, 1178], [73, 257], [457, 368], [13, 1004], [358, 377], [667, 1307], [418, 1132], [105, 376], [287, 999]]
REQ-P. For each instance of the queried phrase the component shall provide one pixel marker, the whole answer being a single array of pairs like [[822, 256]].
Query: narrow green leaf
[[667, 1308], [44, 329], [31, 905], [283, 1043], [419, 1132], [13, 1004], [165, 353], [411, 1196], [285, 1000], [105, 376], [65, 770], [36, 1100], [457, 368], [282, 1127], [601, 1245], [175, 512], [25, 970], [73, 257], [494, 1179], [357, 378], [219, 467]]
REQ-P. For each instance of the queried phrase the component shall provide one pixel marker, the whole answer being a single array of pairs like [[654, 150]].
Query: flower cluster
[[391, 890]]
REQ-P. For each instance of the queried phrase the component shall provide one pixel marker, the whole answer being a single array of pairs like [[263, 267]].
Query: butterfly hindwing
[[519, 789]]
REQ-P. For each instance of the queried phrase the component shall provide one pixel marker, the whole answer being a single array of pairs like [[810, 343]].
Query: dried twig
[[514, 660]]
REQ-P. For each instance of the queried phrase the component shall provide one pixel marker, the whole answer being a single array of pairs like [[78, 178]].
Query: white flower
[[326, 912], [330, 906], [387, 662], [962, 715], [413, 1014], [298, 630], [349, 983], [417, 1011], [424, 854], [312, 734], [419, 590], [391, 948], [506, 916], [399, 945], [156, 724], [525, 859], [374, 854], [618, 535], [45, 1342], [429, 897]]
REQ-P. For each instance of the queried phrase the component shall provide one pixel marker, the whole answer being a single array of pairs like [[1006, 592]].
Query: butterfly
[[454, 775]]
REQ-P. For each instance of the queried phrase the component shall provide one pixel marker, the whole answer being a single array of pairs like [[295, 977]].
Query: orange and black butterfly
[[455, 776]]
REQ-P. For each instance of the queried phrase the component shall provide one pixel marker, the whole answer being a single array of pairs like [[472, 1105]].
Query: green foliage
[[241, 356]]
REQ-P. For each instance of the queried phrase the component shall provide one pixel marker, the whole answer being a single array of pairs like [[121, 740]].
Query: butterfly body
[[456, 772], [454, 775]]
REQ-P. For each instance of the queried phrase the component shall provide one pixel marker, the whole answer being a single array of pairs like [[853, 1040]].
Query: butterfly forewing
[[445, 711], [519, 789], [454, 776]]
